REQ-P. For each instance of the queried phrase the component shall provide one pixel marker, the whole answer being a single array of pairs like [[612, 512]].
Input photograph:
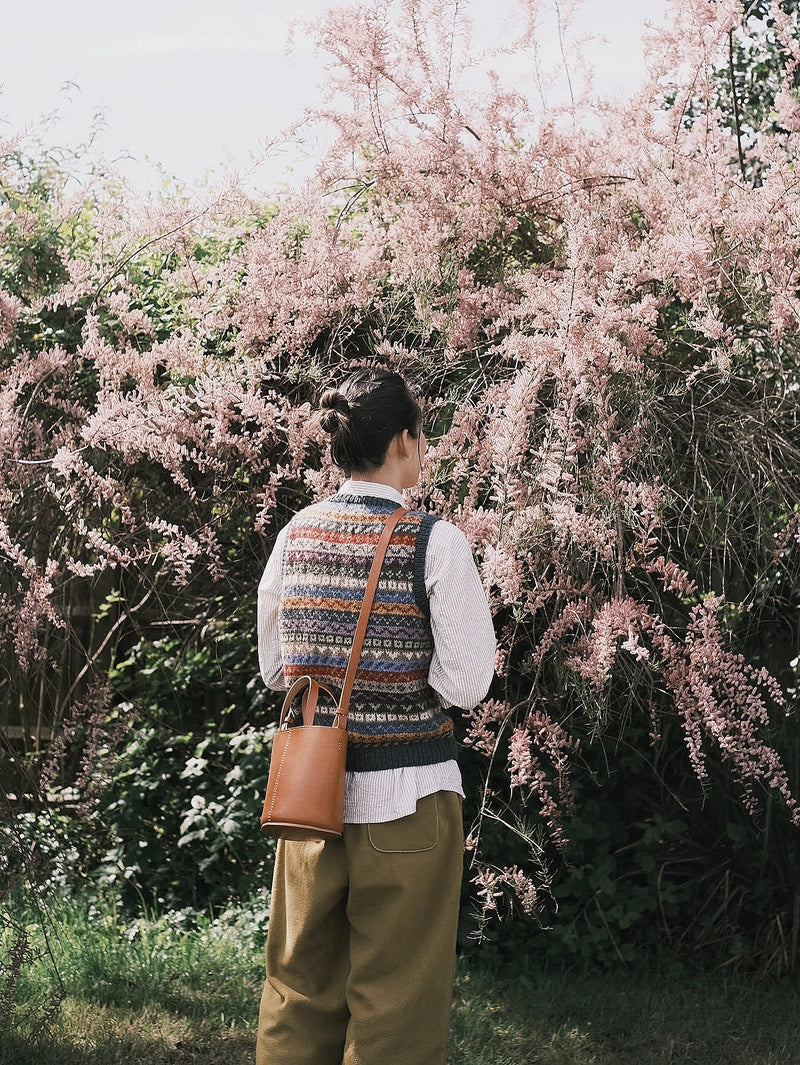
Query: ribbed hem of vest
[[365, 759]]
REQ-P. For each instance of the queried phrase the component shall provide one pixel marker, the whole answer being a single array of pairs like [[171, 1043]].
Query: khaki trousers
[[361, 943]]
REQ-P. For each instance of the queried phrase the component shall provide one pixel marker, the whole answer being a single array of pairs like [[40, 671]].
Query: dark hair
[[365, 414]]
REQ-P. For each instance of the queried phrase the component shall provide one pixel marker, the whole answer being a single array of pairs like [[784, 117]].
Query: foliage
[[174, 822], [652, 869], [757, 87], [599, 305], [179, 821]]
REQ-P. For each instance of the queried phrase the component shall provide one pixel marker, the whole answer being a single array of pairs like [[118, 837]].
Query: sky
[[194, 88]]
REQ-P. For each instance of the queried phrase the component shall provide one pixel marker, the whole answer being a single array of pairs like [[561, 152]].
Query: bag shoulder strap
[[366, 609]]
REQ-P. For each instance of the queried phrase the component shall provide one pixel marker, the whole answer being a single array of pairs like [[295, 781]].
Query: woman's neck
[[402, 466], [379, 476]]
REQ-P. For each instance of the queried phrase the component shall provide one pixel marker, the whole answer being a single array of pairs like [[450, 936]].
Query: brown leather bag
[[305, 789]]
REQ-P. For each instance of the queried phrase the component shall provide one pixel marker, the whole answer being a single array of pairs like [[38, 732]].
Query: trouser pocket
[[414, 834]]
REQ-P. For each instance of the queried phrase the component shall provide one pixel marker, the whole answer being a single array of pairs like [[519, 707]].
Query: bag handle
[[311, 696], [308, 703]]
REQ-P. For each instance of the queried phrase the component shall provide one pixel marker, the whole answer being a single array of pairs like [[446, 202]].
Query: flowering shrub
[[599, 304]]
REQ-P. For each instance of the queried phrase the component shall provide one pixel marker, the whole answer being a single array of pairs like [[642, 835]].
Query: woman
[[362, 930]]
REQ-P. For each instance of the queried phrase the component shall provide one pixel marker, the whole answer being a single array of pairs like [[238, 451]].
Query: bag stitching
[[278, 777]]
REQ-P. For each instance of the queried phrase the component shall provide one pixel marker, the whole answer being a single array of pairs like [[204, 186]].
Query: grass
[[622, 1019], [177, 990]]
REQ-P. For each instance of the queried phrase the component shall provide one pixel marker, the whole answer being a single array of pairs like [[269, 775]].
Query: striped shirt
[[461, 665]]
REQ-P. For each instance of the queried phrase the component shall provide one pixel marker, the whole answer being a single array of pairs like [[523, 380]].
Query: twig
[[736, 116]]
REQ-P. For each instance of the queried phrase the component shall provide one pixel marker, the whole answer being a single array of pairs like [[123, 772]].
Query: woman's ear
[[407, 444]]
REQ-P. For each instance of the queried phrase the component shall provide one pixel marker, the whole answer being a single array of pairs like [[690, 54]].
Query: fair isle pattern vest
[[395, 718]]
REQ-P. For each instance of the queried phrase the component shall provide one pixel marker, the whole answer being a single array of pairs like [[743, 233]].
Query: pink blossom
[[10, 308], [555, 274]]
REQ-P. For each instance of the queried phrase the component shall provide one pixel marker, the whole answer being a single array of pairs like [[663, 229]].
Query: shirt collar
[[352, 487]]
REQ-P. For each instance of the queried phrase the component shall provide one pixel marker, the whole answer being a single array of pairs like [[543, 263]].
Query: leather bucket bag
[[305, 789]]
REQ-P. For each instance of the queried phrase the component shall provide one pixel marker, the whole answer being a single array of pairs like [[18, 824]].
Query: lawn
[[175, 991]]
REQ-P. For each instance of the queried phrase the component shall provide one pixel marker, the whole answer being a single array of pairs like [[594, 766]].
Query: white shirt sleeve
[[462, 666], [269, 600]]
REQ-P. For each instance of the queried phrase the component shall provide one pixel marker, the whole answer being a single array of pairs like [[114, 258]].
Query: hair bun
[[335, 410]]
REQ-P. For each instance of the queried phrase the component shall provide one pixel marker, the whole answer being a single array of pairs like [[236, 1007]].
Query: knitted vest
[[395, 718]]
